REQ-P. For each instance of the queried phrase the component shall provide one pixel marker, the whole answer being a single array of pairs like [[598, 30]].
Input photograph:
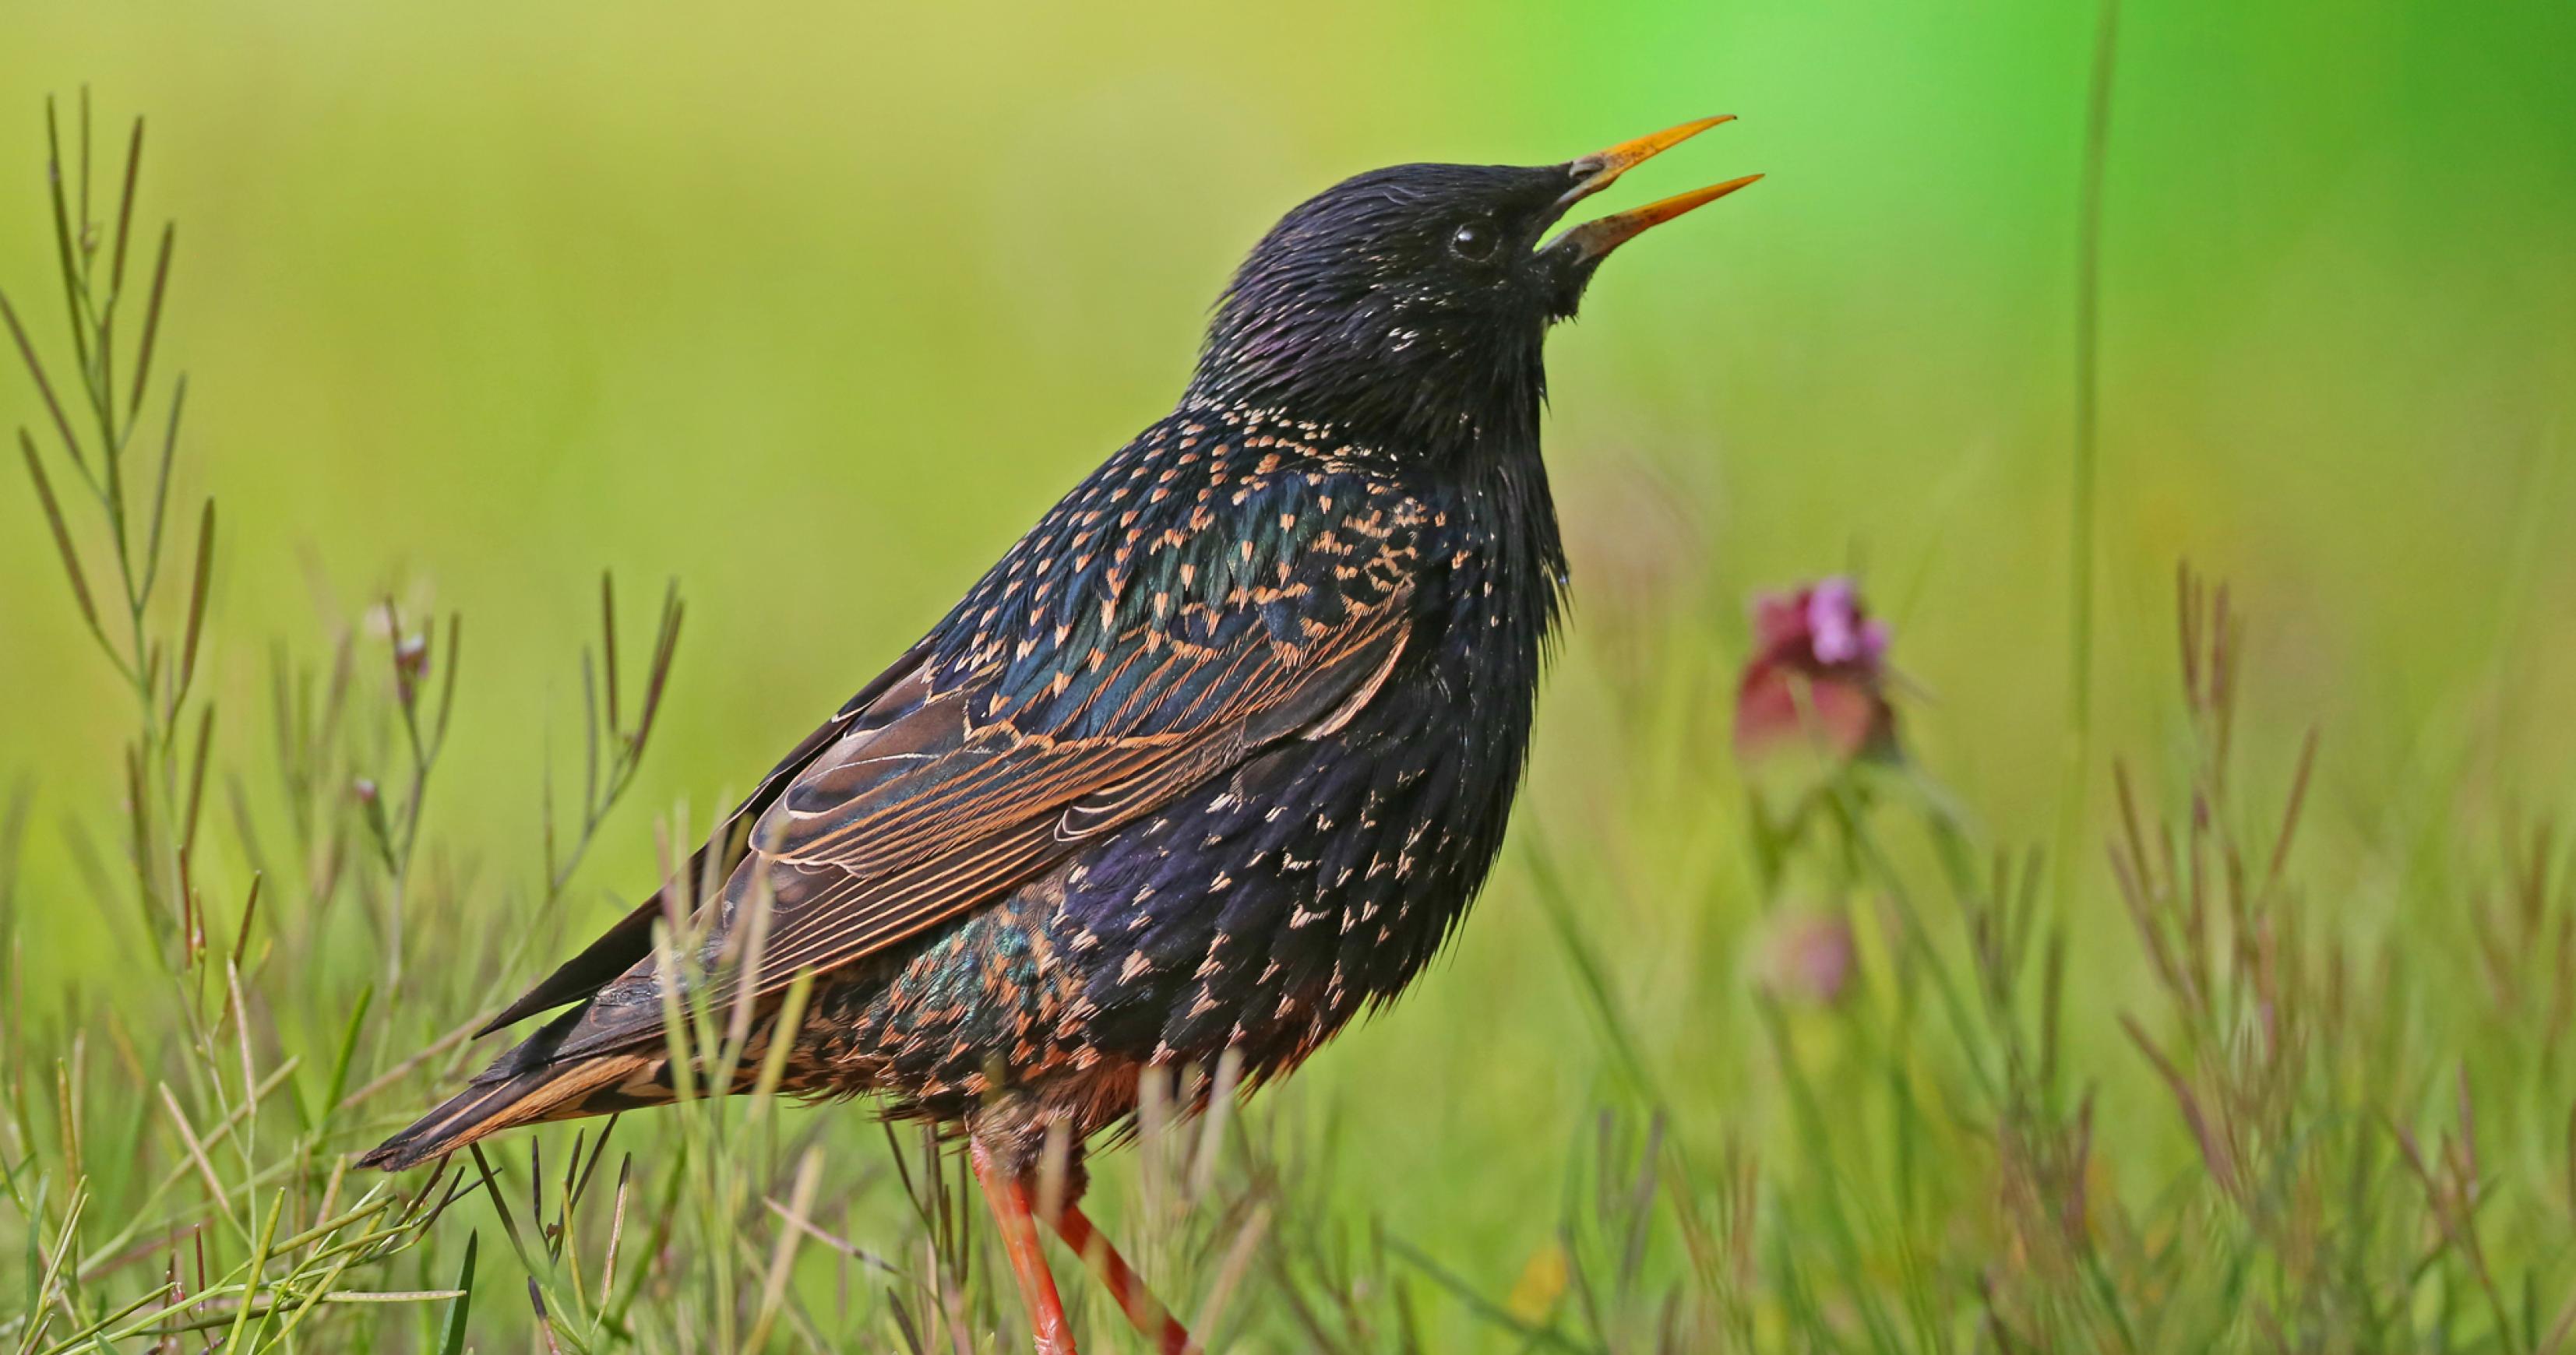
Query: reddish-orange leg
[[1009, 1197], [1125, 1286]]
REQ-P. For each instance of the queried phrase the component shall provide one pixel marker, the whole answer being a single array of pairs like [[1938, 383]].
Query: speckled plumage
[[1214, 759], [1265, 905]]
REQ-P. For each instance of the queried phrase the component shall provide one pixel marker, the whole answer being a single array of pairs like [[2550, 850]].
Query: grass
[[2229, 1078]]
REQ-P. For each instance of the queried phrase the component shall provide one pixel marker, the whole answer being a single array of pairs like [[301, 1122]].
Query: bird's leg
[[1125, 1286], [1008, 1194]]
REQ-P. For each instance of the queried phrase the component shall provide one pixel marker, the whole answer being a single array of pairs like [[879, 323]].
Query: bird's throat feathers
[[1406, 390]]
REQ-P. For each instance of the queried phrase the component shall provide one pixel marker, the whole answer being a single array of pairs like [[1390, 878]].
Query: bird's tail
[[524, 1087]]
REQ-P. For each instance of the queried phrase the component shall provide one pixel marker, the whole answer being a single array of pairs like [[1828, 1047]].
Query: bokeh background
[[814, 307]]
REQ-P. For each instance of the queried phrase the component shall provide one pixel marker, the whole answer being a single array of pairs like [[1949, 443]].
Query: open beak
[[1597, 171]]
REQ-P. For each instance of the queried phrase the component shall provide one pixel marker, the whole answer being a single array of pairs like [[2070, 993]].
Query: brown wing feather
[[631, 939], [906, 822]]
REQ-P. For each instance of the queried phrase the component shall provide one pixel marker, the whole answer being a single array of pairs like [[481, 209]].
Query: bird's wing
[[631, 940], [997, 758], [931, 815]]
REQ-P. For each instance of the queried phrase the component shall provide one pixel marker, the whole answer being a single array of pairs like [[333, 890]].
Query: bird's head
[[1408, 306]]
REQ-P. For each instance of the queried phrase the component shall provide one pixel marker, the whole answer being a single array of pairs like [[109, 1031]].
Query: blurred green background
[[815, 307]]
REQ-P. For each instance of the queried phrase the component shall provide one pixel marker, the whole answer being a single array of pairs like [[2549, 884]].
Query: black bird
[[1213, 760]]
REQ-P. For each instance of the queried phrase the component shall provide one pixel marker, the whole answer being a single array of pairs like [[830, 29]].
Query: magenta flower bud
[[1817, 677]]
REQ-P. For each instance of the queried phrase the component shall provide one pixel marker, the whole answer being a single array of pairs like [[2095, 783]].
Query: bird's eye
[[1473, 240]]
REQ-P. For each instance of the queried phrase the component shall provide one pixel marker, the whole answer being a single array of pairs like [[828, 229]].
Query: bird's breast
[[1264, 910]]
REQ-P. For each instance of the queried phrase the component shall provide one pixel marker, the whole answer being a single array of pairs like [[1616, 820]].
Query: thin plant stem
[[2083, 528]]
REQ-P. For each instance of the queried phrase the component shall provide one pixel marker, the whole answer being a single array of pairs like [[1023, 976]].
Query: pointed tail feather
[[561, 1091], [533, 1081]]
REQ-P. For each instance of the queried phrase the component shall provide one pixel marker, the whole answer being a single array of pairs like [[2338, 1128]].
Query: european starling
[[1212, 761]]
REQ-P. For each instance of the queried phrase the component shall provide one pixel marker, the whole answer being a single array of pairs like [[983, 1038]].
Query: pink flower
[[1817, 678], [1810, 957]]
